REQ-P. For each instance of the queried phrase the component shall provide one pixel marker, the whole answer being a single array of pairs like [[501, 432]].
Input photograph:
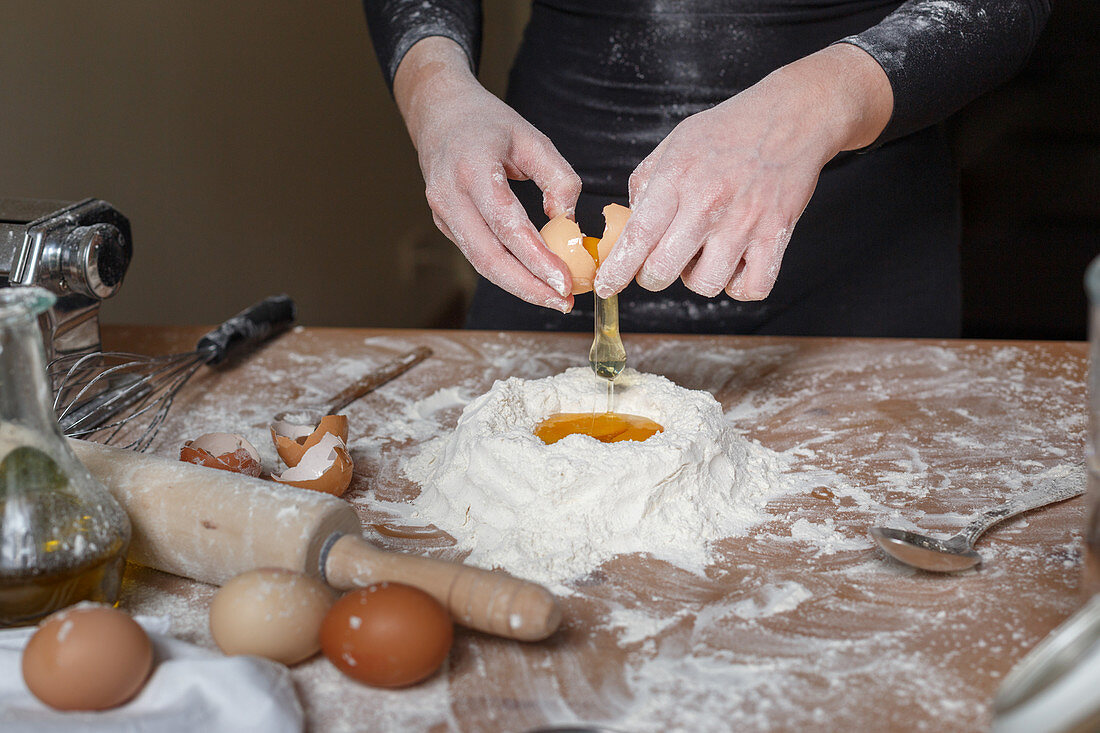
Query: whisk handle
[[252, 325]]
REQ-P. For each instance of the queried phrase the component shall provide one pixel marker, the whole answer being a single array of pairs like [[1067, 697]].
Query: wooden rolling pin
[[212, 525]]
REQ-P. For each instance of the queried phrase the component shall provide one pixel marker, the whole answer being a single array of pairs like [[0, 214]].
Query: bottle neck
[[25, 395]]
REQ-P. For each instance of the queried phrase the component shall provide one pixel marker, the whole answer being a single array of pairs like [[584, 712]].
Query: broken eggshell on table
[[224, 451], [316, 456], [293, 439]]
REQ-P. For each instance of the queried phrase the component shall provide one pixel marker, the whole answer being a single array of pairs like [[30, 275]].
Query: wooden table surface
[[811, 628]]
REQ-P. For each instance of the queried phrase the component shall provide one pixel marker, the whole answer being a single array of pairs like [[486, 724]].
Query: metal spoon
[[371, 381], [957, 553]]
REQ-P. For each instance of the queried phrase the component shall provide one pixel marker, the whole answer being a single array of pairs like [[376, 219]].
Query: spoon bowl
[[926, 553]]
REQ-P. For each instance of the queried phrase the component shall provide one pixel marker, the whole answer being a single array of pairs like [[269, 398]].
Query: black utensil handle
[[249, 327]]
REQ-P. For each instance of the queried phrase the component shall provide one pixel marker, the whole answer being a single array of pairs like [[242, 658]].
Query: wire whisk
[[123, 399]]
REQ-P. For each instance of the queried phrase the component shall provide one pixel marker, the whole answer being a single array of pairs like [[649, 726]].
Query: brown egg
[[325, 467], [292, 440], [387, 635], [224, 451], [564, 238], [87, 657], [272, 613]]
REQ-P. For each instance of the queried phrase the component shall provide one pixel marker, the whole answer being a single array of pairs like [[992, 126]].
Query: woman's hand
[[469, 144], [716, 201]]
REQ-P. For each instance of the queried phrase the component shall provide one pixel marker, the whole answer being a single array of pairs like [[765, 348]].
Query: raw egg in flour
[[387, 635], [88, 657], [583, 255], [606, 427]]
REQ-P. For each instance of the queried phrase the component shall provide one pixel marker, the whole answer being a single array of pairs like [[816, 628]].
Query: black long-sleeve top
[[938, 54], [607, 80]]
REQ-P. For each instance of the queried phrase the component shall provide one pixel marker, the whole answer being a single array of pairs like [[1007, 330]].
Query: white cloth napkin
[[191, 689]]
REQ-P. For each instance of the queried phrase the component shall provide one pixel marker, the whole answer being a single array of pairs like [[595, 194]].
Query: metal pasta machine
[[77, 250]]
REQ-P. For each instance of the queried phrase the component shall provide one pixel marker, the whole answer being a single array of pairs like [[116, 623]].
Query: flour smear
[[551, 513]]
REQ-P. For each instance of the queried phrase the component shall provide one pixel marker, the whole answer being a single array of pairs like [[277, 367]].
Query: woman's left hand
[[716, 201]]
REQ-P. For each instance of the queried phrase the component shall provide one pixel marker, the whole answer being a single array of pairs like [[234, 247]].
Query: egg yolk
[[607, 427], [591, 245]]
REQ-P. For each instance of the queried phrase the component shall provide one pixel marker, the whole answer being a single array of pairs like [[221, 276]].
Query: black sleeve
[[941, 54], [395, 25]]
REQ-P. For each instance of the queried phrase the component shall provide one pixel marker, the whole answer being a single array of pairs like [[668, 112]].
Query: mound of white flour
[[550, 513]]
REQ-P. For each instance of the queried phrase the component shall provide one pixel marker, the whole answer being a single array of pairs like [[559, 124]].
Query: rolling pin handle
[[486, 600]]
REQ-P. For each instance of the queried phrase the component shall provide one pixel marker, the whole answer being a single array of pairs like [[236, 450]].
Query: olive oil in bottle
[[63, 537]]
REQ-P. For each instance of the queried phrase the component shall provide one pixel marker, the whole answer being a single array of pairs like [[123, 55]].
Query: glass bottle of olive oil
[[63, 537]]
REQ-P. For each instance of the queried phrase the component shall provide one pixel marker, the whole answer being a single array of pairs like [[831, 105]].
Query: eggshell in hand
[[564, 238], [87, 657], [224, 451], [387, 635], [293, 440], [325, 466], [272, 613], [615, 217]]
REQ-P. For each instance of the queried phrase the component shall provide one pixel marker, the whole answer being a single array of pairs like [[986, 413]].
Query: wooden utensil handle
[[377, 378], [486, 600]]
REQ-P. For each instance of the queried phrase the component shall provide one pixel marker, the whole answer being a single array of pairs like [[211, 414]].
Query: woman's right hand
[[469, 144]]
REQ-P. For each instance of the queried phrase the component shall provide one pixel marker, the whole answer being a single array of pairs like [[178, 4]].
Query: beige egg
[[87, 657], [270, 613], [564, 238]]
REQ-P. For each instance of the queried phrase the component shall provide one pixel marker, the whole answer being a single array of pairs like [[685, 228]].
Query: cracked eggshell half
[[615, 217], [292, 440], [224, 451], [564, 238], [325, 466]]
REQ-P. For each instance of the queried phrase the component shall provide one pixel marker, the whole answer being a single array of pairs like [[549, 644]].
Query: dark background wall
[[1029, 154], [252, 144], [256, 150]]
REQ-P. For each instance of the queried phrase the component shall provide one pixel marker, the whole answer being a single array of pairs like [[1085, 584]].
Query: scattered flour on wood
[[915, 434]]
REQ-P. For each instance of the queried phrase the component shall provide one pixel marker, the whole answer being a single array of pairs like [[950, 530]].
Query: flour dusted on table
[[550, 513]]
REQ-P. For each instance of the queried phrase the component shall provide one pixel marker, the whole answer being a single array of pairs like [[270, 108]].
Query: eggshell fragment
[[615, 217], [387, 635], [224, 451], [272, 613], [293, 440], [564, 238], [87, 657], [325, 466], [584, 255]]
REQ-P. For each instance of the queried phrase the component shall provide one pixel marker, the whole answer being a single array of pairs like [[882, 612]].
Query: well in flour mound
[[551, 513]]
